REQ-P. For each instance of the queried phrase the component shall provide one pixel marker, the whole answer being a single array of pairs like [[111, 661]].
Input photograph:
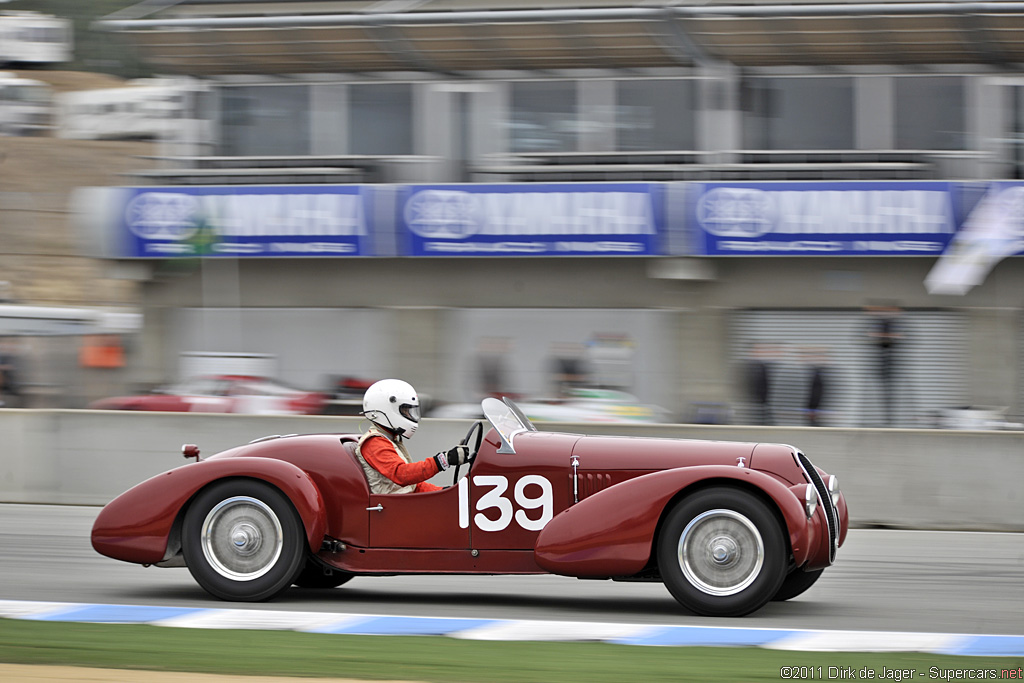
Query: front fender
[[611, 533], [136, 525]]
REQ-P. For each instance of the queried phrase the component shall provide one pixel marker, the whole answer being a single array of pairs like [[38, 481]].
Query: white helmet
[[392, 404]]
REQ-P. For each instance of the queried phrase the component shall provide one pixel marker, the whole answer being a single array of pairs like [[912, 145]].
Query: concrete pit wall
[[922, 479]]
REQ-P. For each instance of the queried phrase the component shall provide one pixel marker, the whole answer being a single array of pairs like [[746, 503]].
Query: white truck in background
[[26, 106], [35, 39], [209, 364], [142, 109]]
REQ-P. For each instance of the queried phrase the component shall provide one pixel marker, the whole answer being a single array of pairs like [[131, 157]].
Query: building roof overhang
[[211, 37]]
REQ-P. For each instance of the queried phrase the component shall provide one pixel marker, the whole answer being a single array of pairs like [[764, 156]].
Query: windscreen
[[520, 415], [507, 419]]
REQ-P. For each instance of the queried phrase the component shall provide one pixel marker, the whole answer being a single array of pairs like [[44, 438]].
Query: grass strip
[[421, 658]]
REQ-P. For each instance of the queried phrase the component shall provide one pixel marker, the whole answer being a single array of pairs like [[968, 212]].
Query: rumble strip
[[511, 629]]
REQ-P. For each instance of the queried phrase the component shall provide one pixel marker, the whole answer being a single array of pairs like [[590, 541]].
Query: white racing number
[[525, 494]]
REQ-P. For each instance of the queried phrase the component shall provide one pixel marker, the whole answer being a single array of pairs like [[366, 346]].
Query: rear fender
[[611, 533], [137, 525]]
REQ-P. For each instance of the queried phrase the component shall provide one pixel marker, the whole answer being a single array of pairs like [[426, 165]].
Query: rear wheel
[[796, 582], [722, 552], [242, 540]]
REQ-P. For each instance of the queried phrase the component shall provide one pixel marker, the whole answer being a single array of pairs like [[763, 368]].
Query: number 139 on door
[[530, 494]]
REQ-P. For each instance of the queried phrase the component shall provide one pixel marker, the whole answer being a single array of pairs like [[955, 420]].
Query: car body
[[726, 526], [223, 394]]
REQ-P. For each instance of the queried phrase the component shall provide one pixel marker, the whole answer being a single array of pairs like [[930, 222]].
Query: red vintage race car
[[726, 526]]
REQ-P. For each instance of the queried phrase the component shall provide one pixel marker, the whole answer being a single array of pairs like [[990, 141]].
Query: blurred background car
[[223, 394], [580, 405], [345, 395]]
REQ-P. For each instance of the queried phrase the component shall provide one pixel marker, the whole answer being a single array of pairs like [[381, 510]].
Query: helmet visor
[[410, 412]]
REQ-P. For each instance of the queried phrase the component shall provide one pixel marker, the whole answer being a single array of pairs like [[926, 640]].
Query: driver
[[393, 408]]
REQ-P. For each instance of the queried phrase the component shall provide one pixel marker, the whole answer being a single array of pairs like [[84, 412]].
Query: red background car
[[223, 394]]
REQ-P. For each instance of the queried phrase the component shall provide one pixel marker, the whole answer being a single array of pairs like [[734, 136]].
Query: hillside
[[69, 81], [39, 249]]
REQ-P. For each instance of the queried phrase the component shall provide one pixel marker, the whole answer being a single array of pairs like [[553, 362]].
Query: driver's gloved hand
[[456, 456]]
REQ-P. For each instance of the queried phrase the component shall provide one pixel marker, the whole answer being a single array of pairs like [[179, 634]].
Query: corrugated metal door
[[927, 366]]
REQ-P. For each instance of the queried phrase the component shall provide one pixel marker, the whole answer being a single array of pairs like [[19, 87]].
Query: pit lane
[[929, 581]]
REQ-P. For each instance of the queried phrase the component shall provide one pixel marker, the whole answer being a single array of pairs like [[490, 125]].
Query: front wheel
[[722, 552], [242, 540], [796, 583]]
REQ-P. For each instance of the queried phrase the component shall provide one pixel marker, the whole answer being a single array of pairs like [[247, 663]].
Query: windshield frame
[[508, 420]]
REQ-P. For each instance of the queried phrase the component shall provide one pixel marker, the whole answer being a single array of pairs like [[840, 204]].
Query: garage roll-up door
[[928, 366]]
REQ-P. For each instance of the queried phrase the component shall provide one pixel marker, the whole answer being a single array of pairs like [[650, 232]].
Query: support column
[[718, 117], [874, 115]]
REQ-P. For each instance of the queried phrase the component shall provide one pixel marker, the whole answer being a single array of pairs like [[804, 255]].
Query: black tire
[[316, 575], [722, 552], [795, 583], [242, 540]]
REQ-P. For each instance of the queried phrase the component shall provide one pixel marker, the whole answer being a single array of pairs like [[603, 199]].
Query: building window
[[543, 116], [930, 112], [798, 113], [380, 119], [654, 115], [265, 120]]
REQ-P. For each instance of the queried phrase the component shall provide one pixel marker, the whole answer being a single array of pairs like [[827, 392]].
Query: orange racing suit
[[380, 453]]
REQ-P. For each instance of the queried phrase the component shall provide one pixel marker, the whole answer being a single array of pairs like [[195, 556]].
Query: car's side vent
[[825, 499], [592, 483]]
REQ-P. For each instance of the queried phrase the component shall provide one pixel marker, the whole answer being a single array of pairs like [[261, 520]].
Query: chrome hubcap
[[246, 538], [720, 552], [242, 538], [723, 550]]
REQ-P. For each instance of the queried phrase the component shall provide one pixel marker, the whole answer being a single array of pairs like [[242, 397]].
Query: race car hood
[[605, 453]]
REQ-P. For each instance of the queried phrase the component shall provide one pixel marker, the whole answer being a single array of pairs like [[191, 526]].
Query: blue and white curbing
[[520, 630]]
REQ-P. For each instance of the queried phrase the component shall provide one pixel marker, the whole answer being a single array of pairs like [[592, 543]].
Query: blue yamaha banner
[[822, 218], [246, 221], [565, 219]]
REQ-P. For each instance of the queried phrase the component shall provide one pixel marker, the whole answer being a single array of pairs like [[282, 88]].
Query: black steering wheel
[[477, 427]]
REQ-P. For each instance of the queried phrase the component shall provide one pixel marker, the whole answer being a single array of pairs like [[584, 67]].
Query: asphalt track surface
[[917, 581]]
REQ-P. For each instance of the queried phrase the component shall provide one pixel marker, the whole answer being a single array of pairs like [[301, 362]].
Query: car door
[[501, 504], [417, 520]]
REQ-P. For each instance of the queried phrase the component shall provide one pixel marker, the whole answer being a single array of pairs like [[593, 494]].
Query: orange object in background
[[101, 351]]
